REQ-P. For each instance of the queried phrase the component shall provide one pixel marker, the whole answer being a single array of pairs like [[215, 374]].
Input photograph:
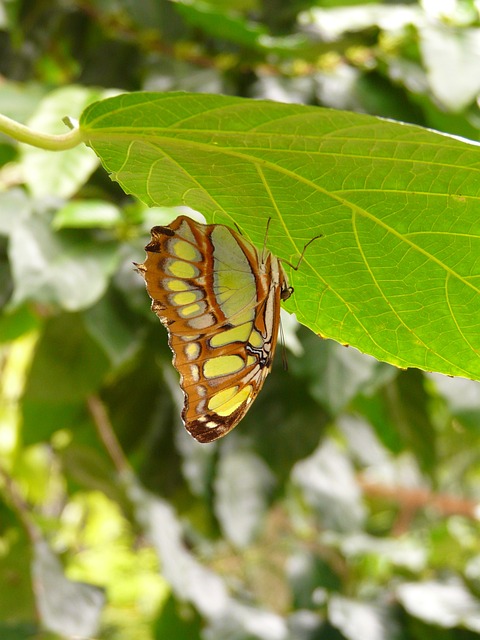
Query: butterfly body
[[219, 298]]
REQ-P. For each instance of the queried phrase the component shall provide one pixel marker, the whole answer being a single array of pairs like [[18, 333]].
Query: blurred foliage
[[345, 504]]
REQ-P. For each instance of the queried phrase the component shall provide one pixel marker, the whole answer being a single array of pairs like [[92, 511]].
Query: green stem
[[21, 133]]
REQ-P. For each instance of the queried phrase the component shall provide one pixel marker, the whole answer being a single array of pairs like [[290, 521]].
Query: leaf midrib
[[145, 138]]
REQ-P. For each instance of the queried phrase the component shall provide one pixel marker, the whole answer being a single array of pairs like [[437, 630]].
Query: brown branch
[[107, 434], [414, 499], [20, 506]]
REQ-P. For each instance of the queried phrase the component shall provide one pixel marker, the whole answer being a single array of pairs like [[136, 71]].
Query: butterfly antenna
[[264, 250], [300, 259]]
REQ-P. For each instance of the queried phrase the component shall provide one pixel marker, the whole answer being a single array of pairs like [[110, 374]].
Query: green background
[[344, 506]]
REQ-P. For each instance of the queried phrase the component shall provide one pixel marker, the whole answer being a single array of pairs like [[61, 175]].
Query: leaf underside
[[397, 271]]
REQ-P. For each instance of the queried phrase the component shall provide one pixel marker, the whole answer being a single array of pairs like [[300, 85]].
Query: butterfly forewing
[[220, 301]]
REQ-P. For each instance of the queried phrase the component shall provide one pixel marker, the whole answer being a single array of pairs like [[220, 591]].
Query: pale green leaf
[[84, 214], [334, 22], [445, 51], [69, 608], [242, 487], [335, 375], [359, 620], [328, 484], [445, 604], [69, 271]]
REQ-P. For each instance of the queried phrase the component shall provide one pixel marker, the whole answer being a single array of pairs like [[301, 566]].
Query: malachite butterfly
[[219, 298]]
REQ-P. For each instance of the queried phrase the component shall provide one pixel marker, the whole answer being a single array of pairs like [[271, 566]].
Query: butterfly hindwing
[[219, 299]]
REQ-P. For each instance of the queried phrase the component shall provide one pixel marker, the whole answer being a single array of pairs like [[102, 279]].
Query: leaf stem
[[47, 141]]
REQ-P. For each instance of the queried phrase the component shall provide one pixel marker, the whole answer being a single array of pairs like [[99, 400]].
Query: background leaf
[[242, 486], [69, 608], [62, 269], [446, 605]]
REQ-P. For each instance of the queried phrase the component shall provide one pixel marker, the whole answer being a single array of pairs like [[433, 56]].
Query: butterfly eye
[[219, 298]]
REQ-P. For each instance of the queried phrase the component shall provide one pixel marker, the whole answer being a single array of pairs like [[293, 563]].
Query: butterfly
[[219, 298]]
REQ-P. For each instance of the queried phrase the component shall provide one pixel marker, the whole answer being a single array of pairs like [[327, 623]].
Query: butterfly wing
[[220, 302]]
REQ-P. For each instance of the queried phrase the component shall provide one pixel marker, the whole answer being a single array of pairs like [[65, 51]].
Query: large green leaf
[[397, 271]]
